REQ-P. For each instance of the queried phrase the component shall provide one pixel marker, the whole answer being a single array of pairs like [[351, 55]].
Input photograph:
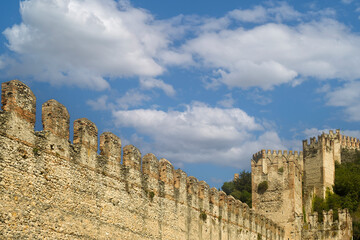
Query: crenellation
[[150, 165], [87, 195], [19, 111], [222, 198], [86, 141], [56, 119], [347, 142], [230, 203], [192, 185], [16, 97], [214, 196], [166, 171], [203, 190], [110, 148], [132, 157]]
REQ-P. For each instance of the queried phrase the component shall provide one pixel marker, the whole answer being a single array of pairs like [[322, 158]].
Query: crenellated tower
[[281, 171], [320, 156]]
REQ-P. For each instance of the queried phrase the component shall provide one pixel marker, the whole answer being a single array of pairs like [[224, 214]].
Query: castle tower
[[281, 201], [319, 165]]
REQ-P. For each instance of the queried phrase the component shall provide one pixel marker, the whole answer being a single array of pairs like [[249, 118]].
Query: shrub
[[262, 187], [203, 215], [151, 195]]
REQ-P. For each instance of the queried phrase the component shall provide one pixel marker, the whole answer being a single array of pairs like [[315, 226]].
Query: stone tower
[[282, 200], [319, 165]]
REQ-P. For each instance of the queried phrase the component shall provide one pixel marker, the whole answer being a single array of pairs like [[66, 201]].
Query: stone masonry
[[294, 179], [51, 188]]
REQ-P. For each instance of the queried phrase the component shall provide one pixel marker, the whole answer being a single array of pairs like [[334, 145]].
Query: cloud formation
[[347, 97], [271, 54], [86, 42], [201, 133]]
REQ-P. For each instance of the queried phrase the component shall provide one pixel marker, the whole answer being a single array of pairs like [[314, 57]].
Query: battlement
[[323, 139], [267, 160], [271, 154], [118, 185], [350, 142], [328, 228]]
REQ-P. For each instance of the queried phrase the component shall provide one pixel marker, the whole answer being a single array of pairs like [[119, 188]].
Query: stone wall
[[282, 201], [328, 229], [287, 200], [51, 188]]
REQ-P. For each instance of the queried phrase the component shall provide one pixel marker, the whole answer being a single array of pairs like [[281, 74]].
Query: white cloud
[[227, 102], [259, 14], [87, 42], [150, 83], [100, 103], [272, 54], [132, 98], [348, 97], [201, 133], [83, 42]]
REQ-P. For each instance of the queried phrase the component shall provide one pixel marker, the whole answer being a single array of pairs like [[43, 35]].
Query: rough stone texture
[[52, 189], [19, 109], [282, 201], [18, 98], [56, 119], [286, 199], [132, 157], [110, 149], [86, 142]]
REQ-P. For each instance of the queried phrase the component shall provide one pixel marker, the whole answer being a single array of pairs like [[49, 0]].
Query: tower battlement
[[350, 142]]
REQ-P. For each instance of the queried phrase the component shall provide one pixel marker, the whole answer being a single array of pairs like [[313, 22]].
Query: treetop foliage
[[240, 188]]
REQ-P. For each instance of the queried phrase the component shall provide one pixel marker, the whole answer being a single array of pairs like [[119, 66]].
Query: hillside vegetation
[[346, 191]]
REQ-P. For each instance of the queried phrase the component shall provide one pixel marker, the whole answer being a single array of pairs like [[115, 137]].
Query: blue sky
[[204, 84]]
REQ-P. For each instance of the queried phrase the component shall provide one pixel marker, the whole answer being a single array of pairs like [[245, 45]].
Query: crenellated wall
[[54, 189], [286, 199], [328, 228], [282, 201]]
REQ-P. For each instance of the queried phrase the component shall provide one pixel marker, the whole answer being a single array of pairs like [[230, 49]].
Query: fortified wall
[[51, 188], [293, 179]]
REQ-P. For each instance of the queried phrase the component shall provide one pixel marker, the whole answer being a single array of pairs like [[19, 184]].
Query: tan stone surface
[[53, 189]]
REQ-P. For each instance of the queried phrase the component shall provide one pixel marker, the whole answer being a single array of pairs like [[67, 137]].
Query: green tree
[[240, 188], [346, 190]]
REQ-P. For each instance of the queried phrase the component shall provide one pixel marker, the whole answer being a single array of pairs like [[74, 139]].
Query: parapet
[[132, 157], [150, 165], [56, 119], [324, 138], [350, 142], [277, 157], [85, 134], [18, 98], [166, 171]]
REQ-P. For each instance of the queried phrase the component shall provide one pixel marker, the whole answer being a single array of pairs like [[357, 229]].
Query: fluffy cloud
[[348, 97], [84, 42], [87, 42], [201, 133], [259, 14], [274, 53], [150, 83]]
